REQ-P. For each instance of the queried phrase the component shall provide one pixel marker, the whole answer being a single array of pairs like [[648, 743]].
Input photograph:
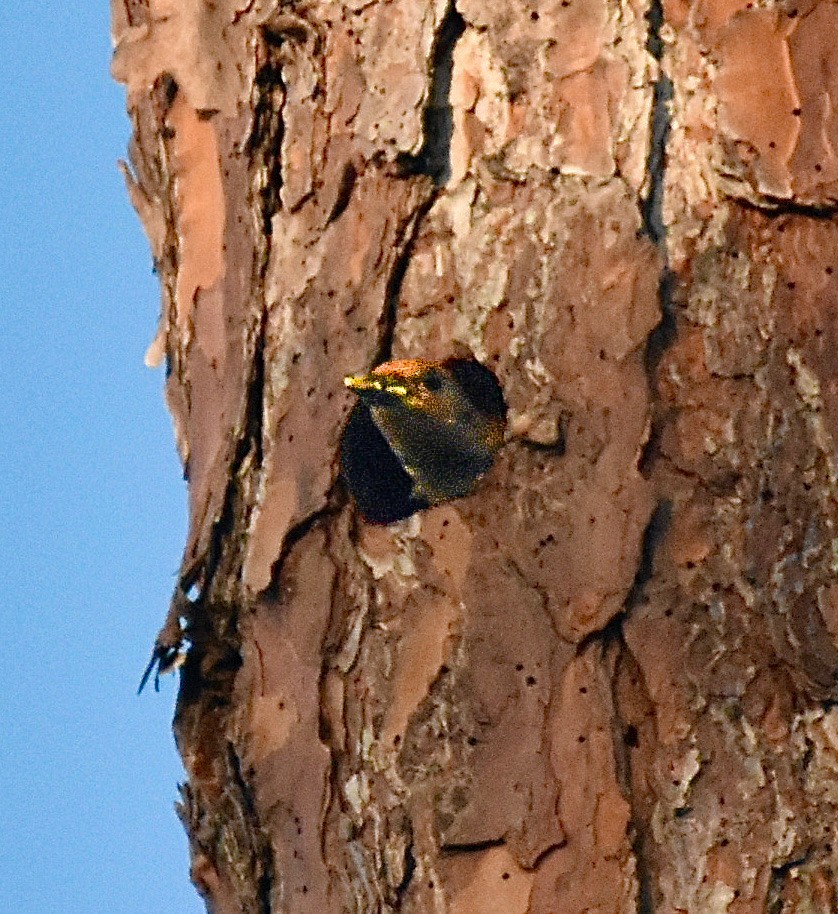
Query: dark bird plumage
[[422, 432]]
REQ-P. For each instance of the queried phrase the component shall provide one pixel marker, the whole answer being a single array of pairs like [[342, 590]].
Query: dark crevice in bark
[[409, 872], [404, 242], [645, 894], [779, 875], [261, 849], [265, 141], [198, 621], [775, 207], [624, 736], [347, 185], [474, 848], [434, 158], [652, 537], [212, 621], [651, 207], [235, 512], [663, 336], [293, 536], [659, 340], [625, 739]]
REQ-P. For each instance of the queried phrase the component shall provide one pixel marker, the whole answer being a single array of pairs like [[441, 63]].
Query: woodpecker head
[[422, 433]]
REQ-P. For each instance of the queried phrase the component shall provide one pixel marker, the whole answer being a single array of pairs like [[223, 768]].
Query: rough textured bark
[[606, 681]]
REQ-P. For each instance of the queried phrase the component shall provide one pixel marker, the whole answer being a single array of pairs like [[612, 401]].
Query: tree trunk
[[605, 682]]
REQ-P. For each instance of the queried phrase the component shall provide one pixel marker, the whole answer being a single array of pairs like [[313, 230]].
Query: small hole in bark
[[724, 842], [396, 739], [519, 667], [583, 690], [530, 680], [828, 271], [504, 876], [581, 739], [534, 16], [772, 145], [472, 741], [796, 112], [668, 613], [818, 168], [791, 285], [630, 737], [792, 14]]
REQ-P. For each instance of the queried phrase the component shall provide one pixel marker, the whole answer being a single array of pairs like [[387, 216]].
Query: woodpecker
[[422, 432]]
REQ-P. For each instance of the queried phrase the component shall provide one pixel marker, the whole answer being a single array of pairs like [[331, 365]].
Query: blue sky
[[93, 503]]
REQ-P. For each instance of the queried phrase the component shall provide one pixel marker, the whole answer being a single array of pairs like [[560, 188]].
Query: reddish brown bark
[[605, 681]]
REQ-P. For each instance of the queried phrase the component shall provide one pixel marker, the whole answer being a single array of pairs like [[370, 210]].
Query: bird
[[422, 432]]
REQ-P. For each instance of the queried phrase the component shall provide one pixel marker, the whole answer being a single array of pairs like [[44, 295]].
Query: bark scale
[[606, 681]]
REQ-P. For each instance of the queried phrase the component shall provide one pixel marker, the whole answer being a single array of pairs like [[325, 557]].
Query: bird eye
[[433, 382]]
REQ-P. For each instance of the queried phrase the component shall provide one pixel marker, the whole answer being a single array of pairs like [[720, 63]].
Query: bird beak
[[364, 383], [374, 384]]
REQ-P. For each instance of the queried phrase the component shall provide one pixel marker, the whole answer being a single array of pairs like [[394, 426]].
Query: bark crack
[[651, 206], [652, 537], [405, 240], [773, 207], [267, 136], [261, 849], [434, 158]]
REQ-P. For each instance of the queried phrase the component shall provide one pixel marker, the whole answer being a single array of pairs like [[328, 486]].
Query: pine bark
[[606, 681]]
